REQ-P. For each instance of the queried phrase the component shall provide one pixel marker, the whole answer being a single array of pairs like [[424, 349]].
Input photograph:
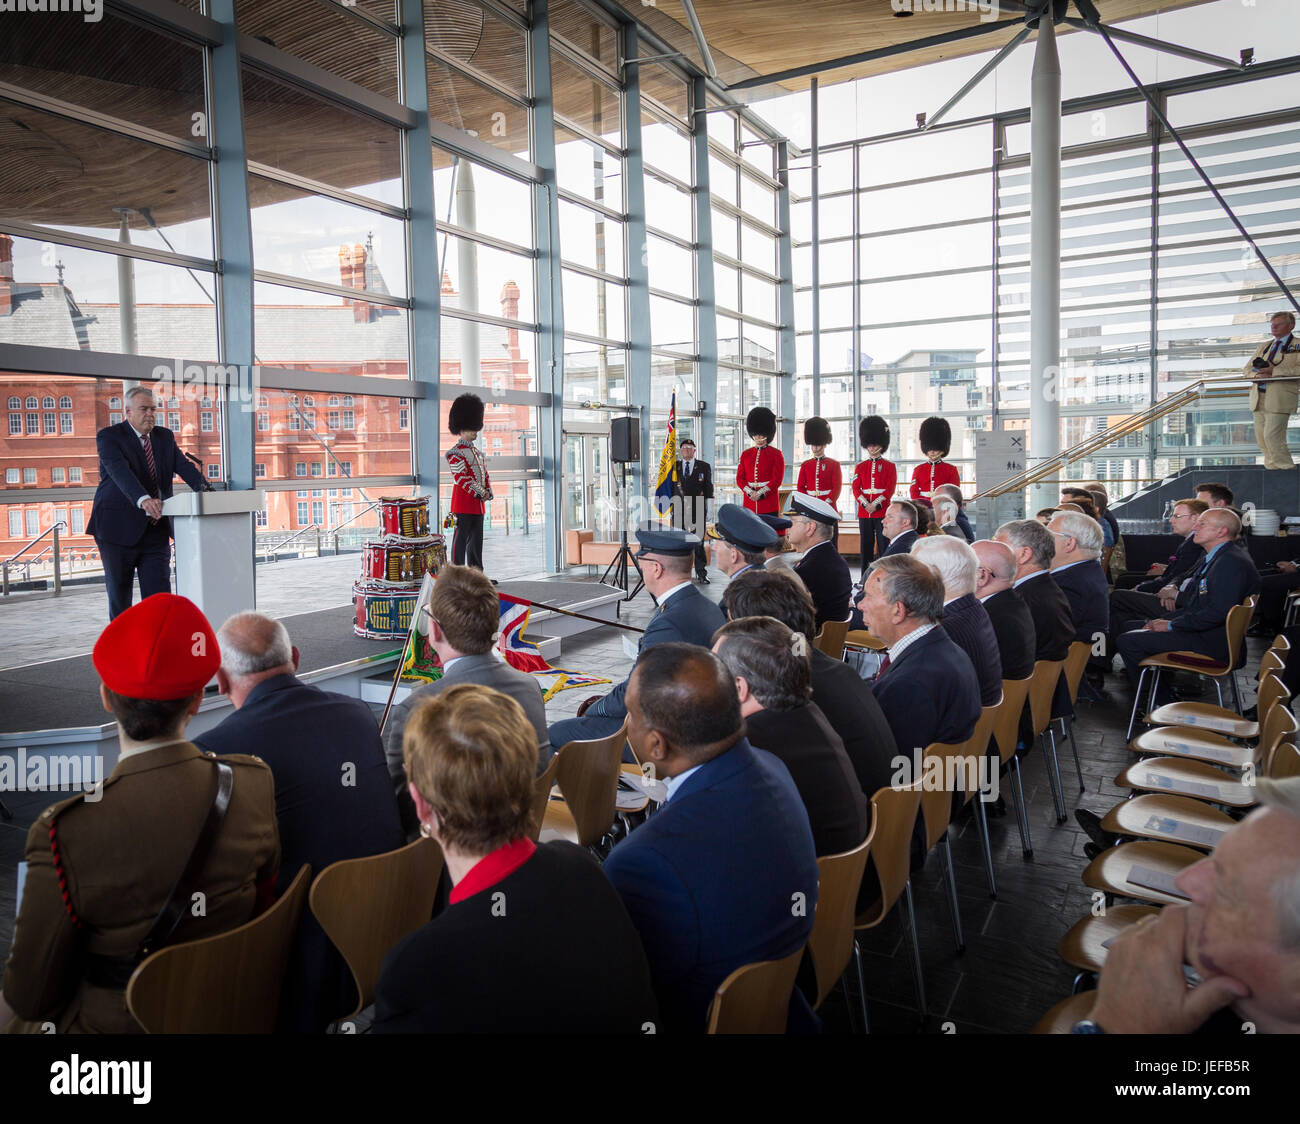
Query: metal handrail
[[369, 507], [1202, 388], [60, 523], [301, 531]]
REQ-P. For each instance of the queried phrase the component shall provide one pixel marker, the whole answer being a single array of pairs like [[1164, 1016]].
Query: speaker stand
[[619, 564]]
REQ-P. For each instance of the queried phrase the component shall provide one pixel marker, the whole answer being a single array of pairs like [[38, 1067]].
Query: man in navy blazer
[[899, 526], [137, 461], [1157, 594], [333, 798], [1226, 577], [725, 874], [927, 687], [684, 614], [1076, 569]]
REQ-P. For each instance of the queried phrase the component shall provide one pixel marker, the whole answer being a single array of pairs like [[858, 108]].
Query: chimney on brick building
[[6, 275], [510, 310], [352, 275]]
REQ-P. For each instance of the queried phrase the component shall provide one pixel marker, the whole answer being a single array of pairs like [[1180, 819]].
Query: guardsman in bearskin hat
[[471, 487], [762, 468], [874, 481], [104, 869], [936, 439], [819, 475]]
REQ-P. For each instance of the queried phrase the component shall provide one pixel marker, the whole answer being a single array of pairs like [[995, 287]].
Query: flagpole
[[397, 675], [580, 616]]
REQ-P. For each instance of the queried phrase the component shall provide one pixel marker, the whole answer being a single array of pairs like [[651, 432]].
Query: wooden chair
[[588, 778], [830, 946], [755, 999], [936, 809], [831, 638], [861, 638], [1076, 660], [1042, 689], [542, 796], [1284, 762], [1110, 870], [1184, 777], [1221, 720], [367, 905], [1234, 626], [1174, 818], [1066, 1013], [1181, 741], [893, 815], [976, 752], [1006, 731], [1083, 947], [224, 984]]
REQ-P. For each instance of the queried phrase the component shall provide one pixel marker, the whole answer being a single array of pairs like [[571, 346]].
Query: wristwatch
[[1086, 1026]]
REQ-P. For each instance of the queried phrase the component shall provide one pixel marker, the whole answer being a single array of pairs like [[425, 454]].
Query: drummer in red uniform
[[471, 485], [936, 440], [762, 468], [874, 481], [819, 475]]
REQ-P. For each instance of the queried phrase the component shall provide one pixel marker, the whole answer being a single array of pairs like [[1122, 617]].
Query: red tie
[[884, 666], [153, 469]]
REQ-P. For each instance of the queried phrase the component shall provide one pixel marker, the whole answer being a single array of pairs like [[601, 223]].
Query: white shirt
[[673, 783], [1067, 566], [667, 593], [1028, 577], [901, 646]]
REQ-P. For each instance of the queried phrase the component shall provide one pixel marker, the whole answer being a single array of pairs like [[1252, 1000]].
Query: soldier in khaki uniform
[[100, 870], [1274, 396]]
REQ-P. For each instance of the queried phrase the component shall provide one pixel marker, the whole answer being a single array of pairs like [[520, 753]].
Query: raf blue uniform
[[725, 874], [128, 542]]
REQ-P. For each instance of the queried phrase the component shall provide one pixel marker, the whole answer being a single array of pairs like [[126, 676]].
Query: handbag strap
[[170, 914]]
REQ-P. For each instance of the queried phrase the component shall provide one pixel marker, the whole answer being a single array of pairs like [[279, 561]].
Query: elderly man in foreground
[[1241, 933]]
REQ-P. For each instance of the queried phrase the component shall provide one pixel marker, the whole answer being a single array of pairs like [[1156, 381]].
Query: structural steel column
[[785, 306], [706, 316], [817, 253], [1044, 256], [638, 275]]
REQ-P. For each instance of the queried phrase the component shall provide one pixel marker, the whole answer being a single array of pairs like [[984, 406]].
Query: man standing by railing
[[1273, 396]]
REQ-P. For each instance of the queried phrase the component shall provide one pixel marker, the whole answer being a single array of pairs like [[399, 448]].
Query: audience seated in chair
[[463, 618], [102, 866], [534, 940], [1225, 577], [1240, 932], [1012, 623], [1156, 590], [725, 873], [333, 799], [964, 619], [773, 679]]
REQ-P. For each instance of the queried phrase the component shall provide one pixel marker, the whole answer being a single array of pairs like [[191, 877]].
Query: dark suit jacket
[[1203, 607], [688, 616], [822, 772], [1086, 590], [710, 880], [1053, 622], [965, 525], [696, 493], [900, 544], [487, 671], [1186, 558], [124, 478], [826, 575], [967, 622], [333, 801], [562, 958], [845, 699], [930, 694], [1014, 628]]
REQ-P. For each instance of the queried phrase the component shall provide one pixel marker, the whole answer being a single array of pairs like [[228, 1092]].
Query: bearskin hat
[[761, 422], [817, 431], [936, 433], [466, 413], [873, 430]]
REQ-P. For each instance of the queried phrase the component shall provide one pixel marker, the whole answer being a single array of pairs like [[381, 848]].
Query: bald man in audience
[[965, 620], [333, 798], [1012, 623], [1240, 933], [725, 873]]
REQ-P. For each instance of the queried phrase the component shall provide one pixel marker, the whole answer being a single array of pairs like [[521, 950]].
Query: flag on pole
[[519, 653], [419, 660], [667, 485]]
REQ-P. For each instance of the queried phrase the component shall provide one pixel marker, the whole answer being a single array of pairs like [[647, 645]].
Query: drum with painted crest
[[404, 518], [402, 561], [382, 613]]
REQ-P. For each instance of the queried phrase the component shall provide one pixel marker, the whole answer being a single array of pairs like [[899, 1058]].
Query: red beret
[[162, 648]]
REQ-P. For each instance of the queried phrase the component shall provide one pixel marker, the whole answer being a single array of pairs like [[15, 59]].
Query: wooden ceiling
[[767, 36]]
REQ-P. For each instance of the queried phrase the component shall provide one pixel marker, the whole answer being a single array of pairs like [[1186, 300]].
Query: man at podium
[[137, 461]]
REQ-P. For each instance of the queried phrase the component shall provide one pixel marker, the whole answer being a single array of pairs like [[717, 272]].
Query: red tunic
[[926, 477], [760, 468], [823, 478], [471, 482], [873, 480]]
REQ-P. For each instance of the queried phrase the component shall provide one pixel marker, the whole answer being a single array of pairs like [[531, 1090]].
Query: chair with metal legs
[[1042, 689], [976, 751], [1006, 727], [893, 815], [943, 760], [1075, 662]]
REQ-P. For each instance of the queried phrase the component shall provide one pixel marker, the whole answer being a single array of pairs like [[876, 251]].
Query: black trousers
[[1273, 589], [467, 542], [871, 535], [150, 558]]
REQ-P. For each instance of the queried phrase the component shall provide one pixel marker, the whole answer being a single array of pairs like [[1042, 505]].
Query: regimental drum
[[404, 519], [402, 561], [382, 613]]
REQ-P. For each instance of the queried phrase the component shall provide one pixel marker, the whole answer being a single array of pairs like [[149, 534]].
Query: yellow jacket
[[1283, 393]]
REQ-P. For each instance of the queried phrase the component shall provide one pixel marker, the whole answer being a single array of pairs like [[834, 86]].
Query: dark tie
[[884, 666], [153, 469]]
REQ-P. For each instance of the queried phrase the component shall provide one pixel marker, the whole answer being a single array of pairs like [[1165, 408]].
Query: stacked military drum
[[393, 568]]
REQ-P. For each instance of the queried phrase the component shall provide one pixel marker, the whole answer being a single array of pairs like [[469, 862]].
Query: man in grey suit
[[464, 617]]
